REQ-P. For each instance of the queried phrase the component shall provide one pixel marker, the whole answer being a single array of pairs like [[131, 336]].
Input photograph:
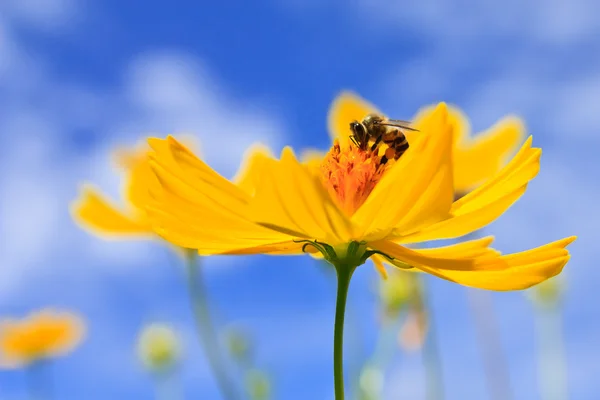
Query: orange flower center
[[351, 174]]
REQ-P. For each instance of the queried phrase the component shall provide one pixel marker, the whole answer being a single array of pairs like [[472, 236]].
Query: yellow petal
[[405, 257], [194, 207], [487, 271], [461, 127], [347, 107], [313, 159], [479, 159], [92, 211], [293, 200], [249, 173], [283, 248], [486, 203], [139, 177], [478, 248], [379, 266], [418, 189]]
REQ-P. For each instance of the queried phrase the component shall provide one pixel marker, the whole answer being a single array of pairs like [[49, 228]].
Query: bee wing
[[399, 124]]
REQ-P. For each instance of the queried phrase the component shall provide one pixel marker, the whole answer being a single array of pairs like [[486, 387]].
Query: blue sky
[[79, 78]]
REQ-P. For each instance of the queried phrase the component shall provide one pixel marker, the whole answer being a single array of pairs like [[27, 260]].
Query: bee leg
[[383, 160], [401, 148], [377, 141], [353, 140]]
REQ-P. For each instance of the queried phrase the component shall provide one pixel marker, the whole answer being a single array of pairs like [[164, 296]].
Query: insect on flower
[[375, 129]]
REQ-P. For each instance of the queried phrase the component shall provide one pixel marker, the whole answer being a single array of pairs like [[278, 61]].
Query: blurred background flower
[[78, 79], [159, 347], [41, 335]]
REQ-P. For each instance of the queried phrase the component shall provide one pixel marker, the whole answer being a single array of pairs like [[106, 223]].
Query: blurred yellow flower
[[476, 159], [41, 335], [353, 205]]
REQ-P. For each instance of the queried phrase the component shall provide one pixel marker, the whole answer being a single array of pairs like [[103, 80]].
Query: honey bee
[[376, 129]]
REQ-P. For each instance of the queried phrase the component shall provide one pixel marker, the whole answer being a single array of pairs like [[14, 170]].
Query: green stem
[[205, 327], [344, 274], [552, 364], [382, 355]]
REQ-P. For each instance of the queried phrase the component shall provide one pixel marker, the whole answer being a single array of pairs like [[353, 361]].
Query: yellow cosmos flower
[[41, 335], [353, 198]]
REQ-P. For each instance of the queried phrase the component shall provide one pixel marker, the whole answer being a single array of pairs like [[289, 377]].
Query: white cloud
[[556, 22], [40, 14], [174, 93], [161, 92]]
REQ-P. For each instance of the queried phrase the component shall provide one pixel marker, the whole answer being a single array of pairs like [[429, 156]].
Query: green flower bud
[[258, 385], [547, 293], [396, 291], [158, 347], [238, 344], [371, 383]]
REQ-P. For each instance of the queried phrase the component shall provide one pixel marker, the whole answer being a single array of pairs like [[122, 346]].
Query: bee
[[376, 129]]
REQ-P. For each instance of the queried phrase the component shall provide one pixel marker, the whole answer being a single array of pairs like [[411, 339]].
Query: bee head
[[358, 129]]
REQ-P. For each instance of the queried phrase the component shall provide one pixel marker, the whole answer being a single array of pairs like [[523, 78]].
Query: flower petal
[[461, 128], [479, 159], [347, 107], [418, 189], [293, 200], [379, 266], [92, 211], [313, 159], [249, 173], [486, 203], [448, 258], [139, 177], [478, 248], [194, 207], [487, 271]]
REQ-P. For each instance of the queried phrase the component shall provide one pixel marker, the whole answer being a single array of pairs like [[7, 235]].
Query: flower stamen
[[350, 174]]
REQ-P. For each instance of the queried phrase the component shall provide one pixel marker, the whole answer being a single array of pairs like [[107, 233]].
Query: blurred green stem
[[204, 326], [430, 351], [490, 345], [552, 364], [344, 274], [382, 355]]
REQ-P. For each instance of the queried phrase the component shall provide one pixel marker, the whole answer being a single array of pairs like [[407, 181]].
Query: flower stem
[[204, 326], [344, 274], [551, 354]]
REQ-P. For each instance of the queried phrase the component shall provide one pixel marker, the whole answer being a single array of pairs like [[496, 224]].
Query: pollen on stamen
[[350, 174]]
